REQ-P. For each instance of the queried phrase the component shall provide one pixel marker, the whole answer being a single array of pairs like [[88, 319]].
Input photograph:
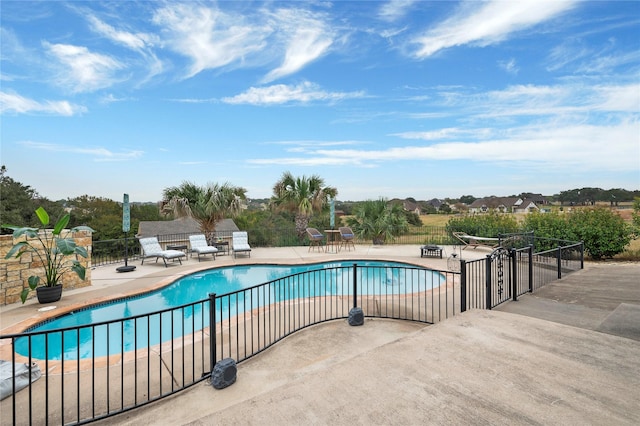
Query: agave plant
[[51, 248]]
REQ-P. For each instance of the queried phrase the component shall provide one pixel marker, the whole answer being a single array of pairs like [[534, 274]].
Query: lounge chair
[[199, 245], [473, 241], [315, 238], [241, 243], [151, 248], [347, 236]]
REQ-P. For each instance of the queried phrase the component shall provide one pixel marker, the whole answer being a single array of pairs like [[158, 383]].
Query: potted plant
[[52, 249]]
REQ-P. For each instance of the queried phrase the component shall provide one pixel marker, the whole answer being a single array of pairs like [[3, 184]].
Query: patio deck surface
[[567, 354]]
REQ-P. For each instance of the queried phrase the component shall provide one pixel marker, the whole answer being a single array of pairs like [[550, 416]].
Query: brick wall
[[15, 273]]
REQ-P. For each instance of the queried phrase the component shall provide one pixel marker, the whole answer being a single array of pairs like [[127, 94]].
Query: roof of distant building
[[184, 225]]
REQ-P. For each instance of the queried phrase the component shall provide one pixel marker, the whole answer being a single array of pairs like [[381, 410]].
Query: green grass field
[[435, 219]]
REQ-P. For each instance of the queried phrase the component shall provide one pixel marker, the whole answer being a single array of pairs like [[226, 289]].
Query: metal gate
[[501, 276]]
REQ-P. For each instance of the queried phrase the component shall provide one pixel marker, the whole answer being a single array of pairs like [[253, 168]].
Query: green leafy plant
[[51, 248], [378, 220], [483, 225], [604, 232]]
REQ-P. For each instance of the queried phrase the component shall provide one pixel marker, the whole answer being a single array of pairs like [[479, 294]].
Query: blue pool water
[[150, 330]]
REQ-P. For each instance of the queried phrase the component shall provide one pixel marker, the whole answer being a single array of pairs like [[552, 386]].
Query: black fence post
[[559, 259], [212, 331], [581, 254], [463, 285], [514, 275], [355, 285], [530, 268], [488, 283]]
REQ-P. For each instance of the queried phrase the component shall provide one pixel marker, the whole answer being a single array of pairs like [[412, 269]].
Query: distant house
[[502, 205], [435, 203], [539, 199], [525, 206], [180, 229], [411, 206]]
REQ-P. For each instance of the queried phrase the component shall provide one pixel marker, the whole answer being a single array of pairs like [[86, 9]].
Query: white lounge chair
[[151, 248], [199, 245], [241, 243], [475, 242]]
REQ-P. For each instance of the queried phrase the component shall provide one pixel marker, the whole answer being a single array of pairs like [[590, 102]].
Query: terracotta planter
[[49, 294]]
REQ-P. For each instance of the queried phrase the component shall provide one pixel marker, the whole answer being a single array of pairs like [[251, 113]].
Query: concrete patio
[[567, 354]]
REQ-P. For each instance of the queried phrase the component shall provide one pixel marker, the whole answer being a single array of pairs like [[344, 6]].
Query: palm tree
[[302, 196], [208, 204], [378, 220]]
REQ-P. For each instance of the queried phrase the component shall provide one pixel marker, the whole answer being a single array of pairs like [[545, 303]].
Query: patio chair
[[241, 243], [475, 242], [151, 248], [315, 238], [347, 236], [199, 245]]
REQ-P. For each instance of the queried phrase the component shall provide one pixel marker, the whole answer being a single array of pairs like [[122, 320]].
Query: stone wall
[[15, 273]]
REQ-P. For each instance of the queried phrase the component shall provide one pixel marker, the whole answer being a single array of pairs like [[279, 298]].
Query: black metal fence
[[251, 320], [506, 274], [99, 370], [105, 252], [94, 371]]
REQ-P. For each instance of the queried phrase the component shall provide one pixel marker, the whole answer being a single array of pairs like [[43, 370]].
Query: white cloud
[[99, 154], [135, 41], [281, 94], [306, 161], [567, 52], [573, 54], [602, 63], [14, 103], [555, 100], [306, 37], [82, 70], [509, 66], [394, 10], [192, 163], [547, 146], [209, 37], [446, 133], [140, 42], [486, 23], [622, 98], [213, 39], [111, 98]]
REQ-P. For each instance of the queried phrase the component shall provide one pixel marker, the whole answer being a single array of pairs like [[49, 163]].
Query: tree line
[[305, 201]]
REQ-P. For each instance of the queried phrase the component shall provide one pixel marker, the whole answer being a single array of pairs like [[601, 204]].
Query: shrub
[[603, 232], [483, 225], [548, 228], [378, 220], [635, 216]]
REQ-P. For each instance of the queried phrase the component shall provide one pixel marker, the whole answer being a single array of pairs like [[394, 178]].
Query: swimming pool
[[144, 330]]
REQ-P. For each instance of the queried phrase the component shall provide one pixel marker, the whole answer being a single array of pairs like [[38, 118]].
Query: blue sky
[[418, 99]]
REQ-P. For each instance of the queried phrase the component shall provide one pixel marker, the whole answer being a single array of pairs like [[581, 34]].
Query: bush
[[603, 232], [548, 228], [378, 220], [483, 225], [635, 216]]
